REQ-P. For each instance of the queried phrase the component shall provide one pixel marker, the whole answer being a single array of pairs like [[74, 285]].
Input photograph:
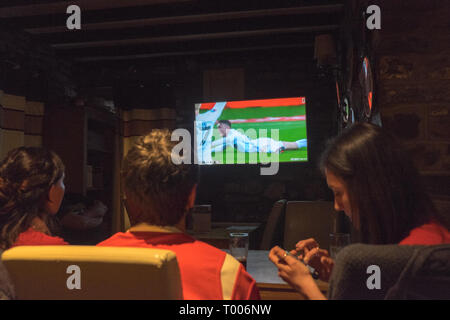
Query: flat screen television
[[251, 131]]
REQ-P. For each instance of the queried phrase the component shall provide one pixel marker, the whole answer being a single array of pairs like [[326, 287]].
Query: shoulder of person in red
[[188, 251], [33, 237], [431, 233]]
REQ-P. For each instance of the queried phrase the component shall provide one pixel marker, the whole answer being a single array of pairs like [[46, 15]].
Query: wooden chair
[[309, 219], [273, 231]]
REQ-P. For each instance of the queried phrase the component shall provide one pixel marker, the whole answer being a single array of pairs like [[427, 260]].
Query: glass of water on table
[[337, 242], [239, 246]]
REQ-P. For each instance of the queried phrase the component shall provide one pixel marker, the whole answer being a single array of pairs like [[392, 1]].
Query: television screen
[[251, 131]]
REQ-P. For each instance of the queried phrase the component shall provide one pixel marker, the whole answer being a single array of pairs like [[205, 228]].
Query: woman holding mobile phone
[[377, 186]]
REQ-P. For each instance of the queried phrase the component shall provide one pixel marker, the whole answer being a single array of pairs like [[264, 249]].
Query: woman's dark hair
[[384, 187], [26, 176]]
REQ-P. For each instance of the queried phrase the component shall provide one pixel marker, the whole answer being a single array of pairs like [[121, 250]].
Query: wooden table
[[219, 235], [272, 287]]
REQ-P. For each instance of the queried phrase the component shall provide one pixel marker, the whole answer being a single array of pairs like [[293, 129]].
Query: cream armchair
[[89, 272]]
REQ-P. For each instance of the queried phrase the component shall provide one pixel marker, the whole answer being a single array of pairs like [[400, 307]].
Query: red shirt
[[207, 273], [32, 237], [428, 234]]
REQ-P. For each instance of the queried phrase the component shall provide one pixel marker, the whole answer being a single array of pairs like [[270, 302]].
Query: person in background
[[31, 191], [81, 219], [81, 213], [159, 193], [377, 186]]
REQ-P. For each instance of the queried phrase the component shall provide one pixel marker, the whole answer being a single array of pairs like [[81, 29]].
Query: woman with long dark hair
[[31, 191], [377, 186]]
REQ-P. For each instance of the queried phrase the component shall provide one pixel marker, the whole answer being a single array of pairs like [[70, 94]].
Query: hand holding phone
[[312, 271]]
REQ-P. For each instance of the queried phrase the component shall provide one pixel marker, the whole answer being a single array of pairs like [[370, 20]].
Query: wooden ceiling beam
[[85, 5], [192, 37], [139, 23], [185, 53]]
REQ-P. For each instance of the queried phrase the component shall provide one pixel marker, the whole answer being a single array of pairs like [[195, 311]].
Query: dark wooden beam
[[217, 44], [139, 23], [85, 5], [191, 37], [185, 53]]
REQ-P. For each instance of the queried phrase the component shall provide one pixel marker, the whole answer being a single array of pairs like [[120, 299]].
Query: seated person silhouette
[[159, 193], [31, 191], [364, 160]]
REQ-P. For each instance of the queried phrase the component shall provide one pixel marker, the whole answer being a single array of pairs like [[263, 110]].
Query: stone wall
[[413, 54]]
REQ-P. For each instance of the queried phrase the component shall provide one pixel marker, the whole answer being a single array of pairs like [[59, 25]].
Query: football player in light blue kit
[[241, 142], [204, 124]]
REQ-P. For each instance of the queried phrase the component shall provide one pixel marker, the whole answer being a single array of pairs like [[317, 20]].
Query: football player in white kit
[[204, 124], [241, 142]]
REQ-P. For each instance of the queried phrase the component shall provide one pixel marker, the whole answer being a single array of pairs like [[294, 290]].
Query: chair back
[[393, 272], [90, 272], [6, 286], [308, 219], [425, 276], [273, 231]]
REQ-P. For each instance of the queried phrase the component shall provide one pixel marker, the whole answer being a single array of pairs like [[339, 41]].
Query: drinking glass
[[337, 242], [239, 247]]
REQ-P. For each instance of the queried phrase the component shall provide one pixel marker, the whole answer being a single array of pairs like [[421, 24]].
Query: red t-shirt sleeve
[[245, 286], [199, 282], [427, 234], [36, 238]]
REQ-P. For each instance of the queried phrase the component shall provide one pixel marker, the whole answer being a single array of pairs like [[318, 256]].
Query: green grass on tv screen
[[288, 131]]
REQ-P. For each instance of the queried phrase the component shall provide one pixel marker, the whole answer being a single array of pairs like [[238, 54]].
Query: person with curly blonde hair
[[159, 193]]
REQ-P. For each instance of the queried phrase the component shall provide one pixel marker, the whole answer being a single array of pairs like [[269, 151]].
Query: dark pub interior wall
[[172, 54], [31, 76], [240, 193]]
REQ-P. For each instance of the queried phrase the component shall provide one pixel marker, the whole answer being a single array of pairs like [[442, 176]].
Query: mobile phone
[[312, 271]]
